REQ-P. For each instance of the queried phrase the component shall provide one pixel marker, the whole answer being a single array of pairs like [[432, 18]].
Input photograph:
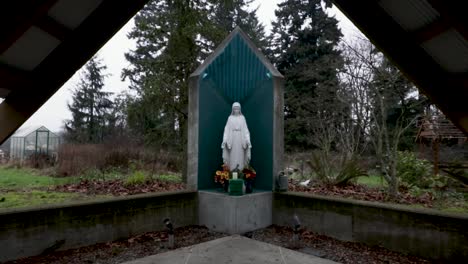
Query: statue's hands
[[226, 145], [246, 145]]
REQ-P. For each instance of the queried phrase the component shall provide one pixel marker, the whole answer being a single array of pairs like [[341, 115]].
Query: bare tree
[[381, 103]]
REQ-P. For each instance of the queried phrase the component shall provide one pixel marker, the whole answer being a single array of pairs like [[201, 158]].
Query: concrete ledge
[[421, 232], [234, 214], [28, 232]]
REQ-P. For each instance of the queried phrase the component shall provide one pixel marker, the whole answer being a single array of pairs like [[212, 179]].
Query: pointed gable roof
[[237, 34]]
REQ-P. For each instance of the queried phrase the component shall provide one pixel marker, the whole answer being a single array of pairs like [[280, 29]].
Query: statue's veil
[[238, 105]]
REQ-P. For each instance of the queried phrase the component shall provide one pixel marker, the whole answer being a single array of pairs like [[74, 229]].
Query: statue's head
[[236, 109]]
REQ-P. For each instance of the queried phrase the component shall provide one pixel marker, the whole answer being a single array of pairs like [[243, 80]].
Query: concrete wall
[[28, 232], [234, 214], [421, 232]]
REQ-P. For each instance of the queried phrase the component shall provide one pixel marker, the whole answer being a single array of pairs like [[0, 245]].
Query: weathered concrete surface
[[28, 232], [232, 249], [193, 128], [278, 128], [421, 232], [234, 214]]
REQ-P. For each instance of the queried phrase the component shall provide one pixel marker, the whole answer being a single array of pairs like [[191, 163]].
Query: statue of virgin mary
[[236, 140]]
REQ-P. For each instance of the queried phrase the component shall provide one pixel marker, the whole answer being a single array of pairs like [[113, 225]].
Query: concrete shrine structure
[[235, 72]]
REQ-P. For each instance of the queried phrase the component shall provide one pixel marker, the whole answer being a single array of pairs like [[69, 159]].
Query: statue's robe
[[236, 143]]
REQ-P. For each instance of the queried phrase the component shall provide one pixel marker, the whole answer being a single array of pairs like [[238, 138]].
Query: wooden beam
[[53, 27], [18, 17], [454, 13], [65, 60], [12, 78], [430, 31], [4, 93]]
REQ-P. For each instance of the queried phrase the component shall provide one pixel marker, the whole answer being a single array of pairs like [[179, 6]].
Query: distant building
[[30, 141]]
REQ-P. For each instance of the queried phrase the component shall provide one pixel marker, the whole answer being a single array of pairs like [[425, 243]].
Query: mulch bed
[[118, 187], [156, 242], [360, 192], [332, 249], [125, 250]]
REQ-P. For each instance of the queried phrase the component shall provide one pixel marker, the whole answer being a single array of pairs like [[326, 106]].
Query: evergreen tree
[[173, 37], [166, 54], [90, 106], [304, 49], [225, 15]]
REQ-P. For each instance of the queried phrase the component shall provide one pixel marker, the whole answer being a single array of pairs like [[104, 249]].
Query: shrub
[[335, 171], [40, 161], [138, 177], [169, 178], [117, 158], [414, 171], [74, 159]]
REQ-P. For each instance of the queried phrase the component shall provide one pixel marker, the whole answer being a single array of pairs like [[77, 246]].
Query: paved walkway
[[232, 249]]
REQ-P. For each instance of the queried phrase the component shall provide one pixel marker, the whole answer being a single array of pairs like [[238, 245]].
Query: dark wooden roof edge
[[403, 51], [108, 18], [223, 45]]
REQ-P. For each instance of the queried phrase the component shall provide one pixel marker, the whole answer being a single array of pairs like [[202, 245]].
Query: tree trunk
[[392, 173]]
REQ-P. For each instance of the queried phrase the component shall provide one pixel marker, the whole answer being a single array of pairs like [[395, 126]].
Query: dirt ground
[[156, 242], [125, 250], [332, 249]]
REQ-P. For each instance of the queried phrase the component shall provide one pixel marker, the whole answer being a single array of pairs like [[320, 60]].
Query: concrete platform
[[232, 249], [234, 214]]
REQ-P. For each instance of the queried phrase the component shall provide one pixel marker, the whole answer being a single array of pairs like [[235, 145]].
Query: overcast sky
[[53, 113]]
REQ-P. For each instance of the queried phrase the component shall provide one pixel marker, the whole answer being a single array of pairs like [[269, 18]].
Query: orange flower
[[222, 175]]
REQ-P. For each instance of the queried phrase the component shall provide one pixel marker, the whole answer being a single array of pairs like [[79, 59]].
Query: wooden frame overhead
[[28, 90], [448, 90]]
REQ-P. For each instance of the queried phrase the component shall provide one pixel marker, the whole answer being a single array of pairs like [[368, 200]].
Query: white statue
[[236, 140]]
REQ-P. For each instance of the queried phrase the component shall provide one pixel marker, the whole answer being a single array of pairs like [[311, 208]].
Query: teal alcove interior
[[235, 75]]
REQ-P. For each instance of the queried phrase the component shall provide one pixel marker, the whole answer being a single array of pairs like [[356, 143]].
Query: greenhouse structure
[[30, 141]]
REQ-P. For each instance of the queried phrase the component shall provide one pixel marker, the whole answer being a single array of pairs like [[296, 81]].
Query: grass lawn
[[16, 199], [169, 177], [372, 181], [451, 204], [12, 178], [21, 187]]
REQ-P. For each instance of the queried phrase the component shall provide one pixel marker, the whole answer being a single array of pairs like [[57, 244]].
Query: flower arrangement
[[249, 173], [222, 176]]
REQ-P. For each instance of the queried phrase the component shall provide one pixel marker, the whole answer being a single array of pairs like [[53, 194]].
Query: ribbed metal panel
[[72, 13], [30, 49], [237, 71], [410, 14], [450, 50]]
